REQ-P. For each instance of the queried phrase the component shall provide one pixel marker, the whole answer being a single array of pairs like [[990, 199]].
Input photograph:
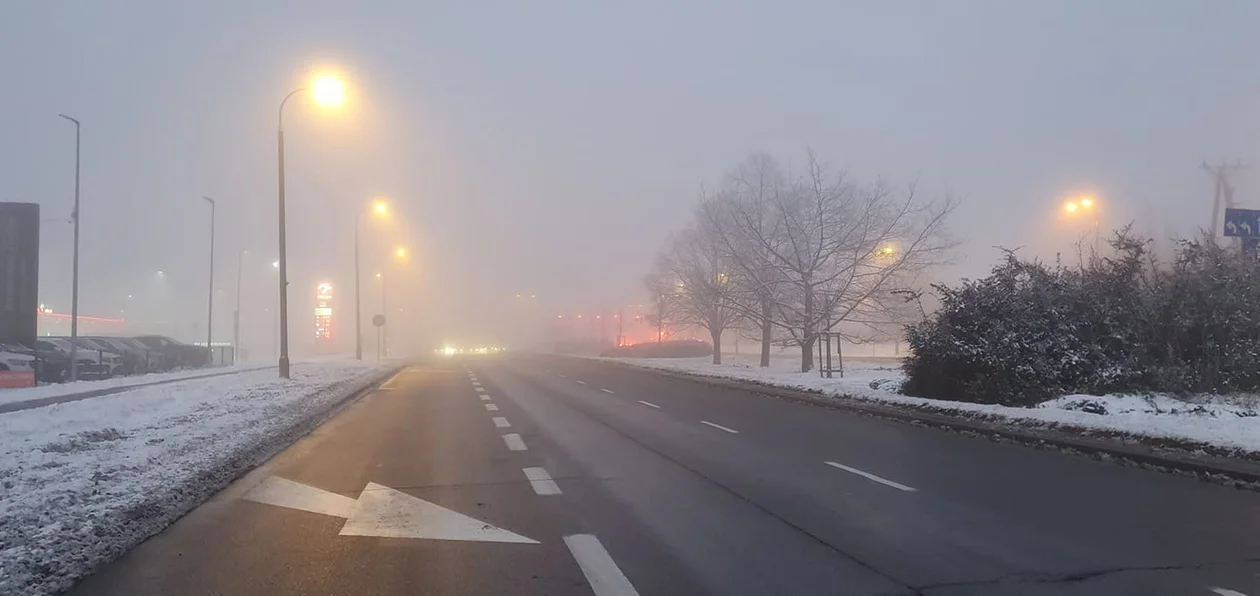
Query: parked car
[[91, 364], [175, 353], [115, 361], [16, 361], [137, 357], [50, 365]]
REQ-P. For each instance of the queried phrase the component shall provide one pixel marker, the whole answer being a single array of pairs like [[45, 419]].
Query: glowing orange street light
[[401, 252]]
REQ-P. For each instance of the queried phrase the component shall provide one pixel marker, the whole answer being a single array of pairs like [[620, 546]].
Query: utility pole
[[74, 275], [1223, 191]]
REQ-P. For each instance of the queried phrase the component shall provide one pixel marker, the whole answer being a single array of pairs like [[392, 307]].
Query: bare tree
[[702, 295], [824, 250], [737, 220]]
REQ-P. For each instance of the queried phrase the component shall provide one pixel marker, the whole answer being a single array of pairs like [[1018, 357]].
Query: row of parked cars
[[101, 357]]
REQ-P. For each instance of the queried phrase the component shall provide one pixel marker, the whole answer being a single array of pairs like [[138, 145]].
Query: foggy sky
[[549, 147]]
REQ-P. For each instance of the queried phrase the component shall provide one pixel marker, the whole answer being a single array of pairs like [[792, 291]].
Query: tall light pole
[[74, 275], [380, 208], [380, 330], [236, 314], [210, 297], [328, 91]]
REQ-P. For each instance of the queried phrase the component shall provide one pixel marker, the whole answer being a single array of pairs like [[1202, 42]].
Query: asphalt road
[[523, 475]]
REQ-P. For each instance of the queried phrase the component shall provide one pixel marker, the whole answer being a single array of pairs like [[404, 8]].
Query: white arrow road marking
[[649, 404], [720, 427], [601, 571], [514, 442], [541, 481], [1226, 592], [295, 495], [869, 476], [500, 422], [491, 407], [381, 511]]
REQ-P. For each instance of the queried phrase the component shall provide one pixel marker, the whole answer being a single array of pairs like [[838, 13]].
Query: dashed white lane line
[[485, 398], [720, 427], [491, 408], [514, 442], [602, 573], [480, 389], [581, 382], [541, 481], [649, 404], [1225, 592], [562, 375], [870, 476], [608, 391], [501, 422]]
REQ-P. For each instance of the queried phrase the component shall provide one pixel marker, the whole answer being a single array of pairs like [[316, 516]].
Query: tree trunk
[[808, 337], [766, 331], [807, 353], [717, 346]]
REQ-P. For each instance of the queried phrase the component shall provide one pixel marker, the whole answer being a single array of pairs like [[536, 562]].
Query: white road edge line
[[602, 573], [501, 422], [514, 442], [649, 404], [491, 408], [581, 382], [608, 391], [541, 481], [869, 476], [720, 427]]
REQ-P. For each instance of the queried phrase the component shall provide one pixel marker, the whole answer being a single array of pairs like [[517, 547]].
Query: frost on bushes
[[1122, 323]]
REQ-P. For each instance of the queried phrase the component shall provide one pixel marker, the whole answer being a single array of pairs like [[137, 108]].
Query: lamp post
[[328, 91], [380, 208], [210, 298], [74, 275], [236, 314]]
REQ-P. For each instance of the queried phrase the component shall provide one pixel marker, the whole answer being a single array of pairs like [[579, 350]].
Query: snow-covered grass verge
[[61, 389], [82, 482], [1227, 423]]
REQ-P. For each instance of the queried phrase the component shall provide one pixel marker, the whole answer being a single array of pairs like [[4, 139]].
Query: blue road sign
[[1242, 223]]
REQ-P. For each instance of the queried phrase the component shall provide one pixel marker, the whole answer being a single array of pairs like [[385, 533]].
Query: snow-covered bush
[[1029, 332]]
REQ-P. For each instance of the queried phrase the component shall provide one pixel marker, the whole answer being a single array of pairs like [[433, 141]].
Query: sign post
[[379, 322]]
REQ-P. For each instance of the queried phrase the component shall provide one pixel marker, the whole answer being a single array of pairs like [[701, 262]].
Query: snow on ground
[[83, 481], [1228, 422], [59, 389]]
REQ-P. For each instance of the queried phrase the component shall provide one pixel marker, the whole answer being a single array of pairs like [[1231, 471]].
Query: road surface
[[521, 475]]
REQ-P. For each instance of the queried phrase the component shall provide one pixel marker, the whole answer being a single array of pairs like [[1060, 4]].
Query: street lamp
[[381, 208], [74, 275], [236, 314], [328, 92], [401, 254], [210, 300]]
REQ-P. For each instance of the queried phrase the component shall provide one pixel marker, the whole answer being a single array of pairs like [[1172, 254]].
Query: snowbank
[[1227, 422], [81, 482]]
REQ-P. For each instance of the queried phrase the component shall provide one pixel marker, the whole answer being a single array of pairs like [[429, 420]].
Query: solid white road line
[[514, 442], [720, 427], [608, 391], [602, 573], [491, 408], [1225, 592], [485, 398], [649, 404], [869, 476], [500, 422], [581, 382], [541, 481]]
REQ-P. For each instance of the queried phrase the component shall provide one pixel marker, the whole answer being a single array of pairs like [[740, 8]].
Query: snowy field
[[59, 389], [1228, 422], [81, 482]]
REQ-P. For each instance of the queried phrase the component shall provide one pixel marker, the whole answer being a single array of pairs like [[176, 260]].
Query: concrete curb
[[39, 402], [1180, 456]]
